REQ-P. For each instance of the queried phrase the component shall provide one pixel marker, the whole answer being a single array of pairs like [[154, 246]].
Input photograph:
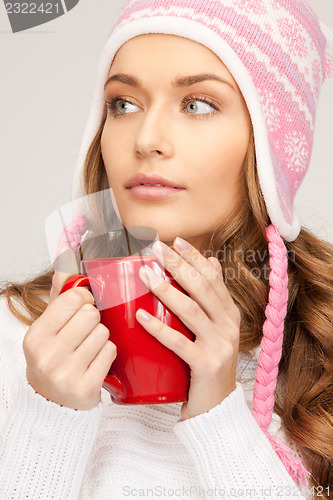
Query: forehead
[[170, 54]]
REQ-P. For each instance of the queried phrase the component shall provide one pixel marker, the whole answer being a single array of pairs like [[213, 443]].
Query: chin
[[162, 224]]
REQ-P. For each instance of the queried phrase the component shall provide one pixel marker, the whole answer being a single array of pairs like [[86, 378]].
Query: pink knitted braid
[[71, 236], [271, 351]]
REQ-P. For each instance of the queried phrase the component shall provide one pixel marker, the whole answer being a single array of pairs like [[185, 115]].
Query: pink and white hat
[[276, 52]]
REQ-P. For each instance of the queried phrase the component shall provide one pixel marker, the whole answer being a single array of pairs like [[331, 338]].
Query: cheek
[[105, 146], [221, 156], [230, 144], [113, 149], [223, 165]]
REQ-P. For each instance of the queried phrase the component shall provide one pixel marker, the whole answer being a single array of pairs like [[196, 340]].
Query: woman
[[235, 148]]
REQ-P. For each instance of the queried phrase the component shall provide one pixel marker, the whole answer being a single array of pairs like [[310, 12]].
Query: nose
[[154, 133]]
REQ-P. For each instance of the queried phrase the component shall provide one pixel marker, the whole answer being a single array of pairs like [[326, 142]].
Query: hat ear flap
[[271, 351]]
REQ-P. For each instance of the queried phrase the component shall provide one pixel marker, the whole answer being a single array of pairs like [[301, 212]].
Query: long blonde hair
[[304, 395]]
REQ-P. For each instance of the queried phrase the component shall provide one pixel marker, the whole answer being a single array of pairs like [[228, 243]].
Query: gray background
[[47, 79]]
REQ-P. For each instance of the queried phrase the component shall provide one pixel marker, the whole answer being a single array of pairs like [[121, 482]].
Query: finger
[[90, 346], [66, 266], [187, 309], [61, 310], [101, 364], [78, 328], [210, 268], [192, 279], [216, 264], [176, 341]]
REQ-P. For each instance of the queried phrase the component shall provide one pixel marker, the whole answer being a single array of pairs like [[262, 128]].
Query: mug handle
[[111, 383]]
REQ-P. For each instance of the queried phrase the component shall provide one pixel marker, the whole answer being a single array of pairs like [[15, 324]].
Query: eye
[[117, 109], [119, 106], [205, 104]]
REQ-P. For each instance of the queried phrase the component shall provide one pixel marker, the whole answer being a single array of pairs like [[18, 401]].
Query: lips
[[152, 180]]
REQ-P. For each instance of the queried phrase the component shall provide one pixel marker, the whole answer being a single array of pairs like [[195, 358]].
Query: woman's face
[[194, 135]]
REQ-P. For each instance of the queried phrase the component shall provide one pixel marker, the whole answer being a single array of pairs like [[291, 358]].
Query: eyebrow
[[182, 81]]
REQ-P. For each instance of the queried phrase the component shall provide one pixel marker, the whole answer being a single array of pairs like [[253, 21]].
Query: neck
[[201, 243]]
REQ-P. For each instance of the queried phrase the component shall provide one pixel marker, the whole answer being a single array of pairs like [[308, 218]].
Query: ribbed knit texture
[[113, 452]]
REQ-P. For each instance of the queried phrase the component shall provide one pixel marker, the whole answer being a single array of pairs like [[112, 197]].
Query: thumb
[[65, 267]]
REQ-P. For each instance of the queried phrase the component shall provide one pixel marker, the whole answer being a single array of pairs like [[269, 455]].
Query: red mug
[[144, 371]]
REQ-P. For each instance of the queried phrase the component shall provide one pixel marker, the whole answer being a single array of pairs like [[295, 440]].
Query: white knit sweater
[[113, 452]]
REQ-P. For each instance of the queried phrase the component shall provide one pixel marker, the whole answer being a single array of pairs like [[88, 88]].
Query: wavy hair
[[304, 394]]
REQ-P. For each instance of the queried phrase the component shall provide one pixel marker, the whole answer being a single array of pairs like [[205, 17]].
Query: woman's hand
[[67, 349], [209, 312]]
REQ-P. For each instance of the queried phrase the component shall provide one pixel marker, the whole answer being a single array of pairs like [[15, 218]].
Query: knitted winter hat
[[276, 51]]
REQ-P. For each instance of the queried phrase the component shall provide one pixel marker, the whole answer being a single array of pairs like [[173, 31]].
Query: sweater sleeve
[[44, 447], [231, 454]]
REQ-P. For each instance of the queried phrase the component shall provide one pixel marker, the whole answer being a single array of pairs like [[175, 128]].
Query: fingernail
[[181, 244], [215, 263], [161, 248], [148, 274], [141, 314]]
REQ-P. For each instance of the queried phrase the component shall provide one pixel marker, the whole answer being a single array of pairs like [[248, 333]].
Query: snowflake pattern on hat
[[293, 35], [297, 151], [253, 6], [271, 110]]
